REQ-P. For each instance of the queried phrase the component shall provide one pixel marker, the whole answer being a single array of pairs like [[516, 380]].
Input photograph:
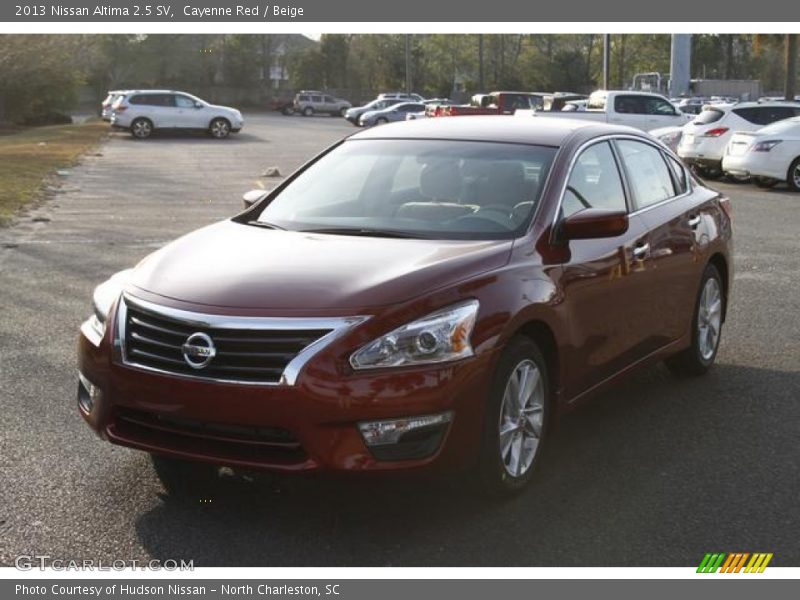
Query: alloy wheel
[[521, 418], [709, 318], [142, 128], [220, 128], [796, 176]]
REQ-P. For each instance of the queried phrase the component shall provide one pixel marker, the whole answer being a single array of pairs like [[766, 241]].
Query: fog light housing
[[407, 438], [88, 393]]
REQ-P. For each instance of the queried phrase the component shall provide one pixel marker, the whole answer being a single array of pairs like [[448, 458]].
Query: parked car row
[[142, 112], [743, 140]]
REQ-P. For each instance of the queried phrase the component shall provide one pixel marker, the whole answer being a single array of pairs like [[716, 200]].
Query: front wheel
[[793, 177], [308, 111], [706, 328], [219, 128], [516, 419]]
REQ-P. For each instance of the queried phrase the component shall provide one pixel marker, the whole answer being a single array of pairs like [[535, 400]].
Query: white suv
[[143, 111], [704, 140]]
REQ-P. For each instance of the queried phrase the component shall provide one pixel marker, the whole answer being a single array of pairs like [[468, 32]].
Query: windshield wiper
[[367, 232], [266, 225]]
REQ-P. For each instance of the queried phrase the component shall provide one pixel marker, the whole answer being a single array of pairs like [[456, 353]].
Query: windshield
[[416, 188]]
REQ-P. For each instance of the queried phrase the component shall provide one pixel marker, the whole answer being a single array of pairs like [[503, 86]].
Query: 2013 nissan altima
[[424, 295]]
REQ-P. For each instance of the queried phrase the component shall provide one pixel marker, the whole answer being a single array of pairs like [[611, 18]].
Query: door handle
[[640, 251], [694, 221]]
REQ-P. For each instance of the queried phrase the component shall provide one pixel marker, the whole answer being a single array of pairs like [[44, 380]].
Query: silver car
[[390, 114], [308, 103]]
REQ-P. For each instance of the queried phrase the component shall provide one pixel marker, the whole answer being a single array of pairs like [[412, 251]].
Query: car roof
[[156, 92], [540, 130]]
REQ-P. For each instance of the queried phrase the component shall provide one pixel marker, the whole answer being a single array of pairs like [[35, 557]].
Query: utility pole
[[481, 76], [790, 63], [408, 63], [680, 64], [606, 60]]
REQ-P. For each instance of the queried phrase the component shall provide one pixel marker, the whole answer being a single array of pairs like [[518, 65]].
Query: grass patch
[[28, 158]]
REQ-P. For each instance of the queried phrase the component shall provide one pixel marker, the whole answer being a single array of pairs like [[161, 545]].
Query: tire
[[342, 112], [219, 128], [706, 320], [308, 111], [288, 110], [381, 121], [765, 182], [505, 425], [793, 176], [141, 128]]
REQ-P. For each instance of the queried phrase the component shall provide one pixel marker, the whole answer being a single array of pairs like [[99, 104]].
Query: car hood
[[227, 108], [229, 264]]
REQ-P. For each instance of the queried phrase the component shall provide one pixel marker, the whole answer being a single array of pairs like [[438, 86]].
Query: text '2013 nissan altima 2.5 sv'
[[422, 296]]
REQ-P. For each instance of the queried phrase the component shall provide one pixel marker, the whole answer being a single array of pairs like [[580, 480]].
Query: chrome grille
[[247, 349]]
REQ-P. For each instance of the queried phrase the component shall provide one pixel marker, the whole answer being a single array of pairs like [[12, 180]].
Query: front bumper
[[310, 426]]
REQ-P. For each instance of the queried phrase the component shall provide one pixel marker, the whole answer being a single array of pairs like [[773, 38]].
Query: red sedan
[[424, 295]]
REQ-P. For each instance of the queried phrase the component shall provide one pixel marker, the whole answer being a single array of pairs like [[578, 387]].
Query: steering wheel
[[497, 214]]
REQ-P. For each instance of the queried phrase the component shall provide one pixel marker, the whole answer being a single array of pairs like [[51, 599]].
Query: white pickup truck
[[642, 110]]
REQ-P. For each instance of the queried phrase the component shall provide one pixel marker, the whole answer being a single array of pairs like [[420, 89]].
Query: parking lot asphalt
[[657, 472]]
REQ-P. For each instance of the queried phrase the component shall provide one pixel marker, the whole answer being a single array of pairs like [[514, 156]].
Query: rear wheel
[[342, 111], [141, 128], [308, 111], [706, 327], [793, 177], [219, 128], [516, 419], [288, 110]]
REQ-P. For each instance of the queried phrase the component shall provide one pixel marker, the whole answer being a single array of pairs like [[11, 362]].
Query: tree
[[37, 75]]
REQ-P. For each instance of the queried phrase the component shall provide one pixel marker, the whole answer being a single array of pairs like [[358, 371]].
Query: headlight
[[103, 299], [766, 146], [439, 337]]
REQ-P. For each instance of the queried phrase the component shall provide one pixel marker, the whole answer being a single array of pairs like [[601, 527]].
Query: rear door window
[[316, 99], [630, 105], [648, 174]]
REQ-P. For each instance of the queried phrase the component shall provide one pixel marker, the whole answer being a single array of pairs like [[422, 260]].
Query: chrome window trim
[[338, 326], [610, 138]]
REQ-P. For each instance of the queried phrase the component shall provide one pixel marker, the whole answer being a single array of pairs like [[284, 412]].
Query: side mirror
[[253, 196], [591, 223], [198, 105]]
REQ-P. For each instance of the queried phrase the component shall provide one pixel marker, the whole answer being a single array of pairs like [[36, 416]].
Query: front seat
[[441, 183]]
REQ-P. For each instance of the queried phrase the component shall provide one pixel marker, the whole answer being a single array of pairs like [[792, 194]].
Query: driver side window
[[594, 182]]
